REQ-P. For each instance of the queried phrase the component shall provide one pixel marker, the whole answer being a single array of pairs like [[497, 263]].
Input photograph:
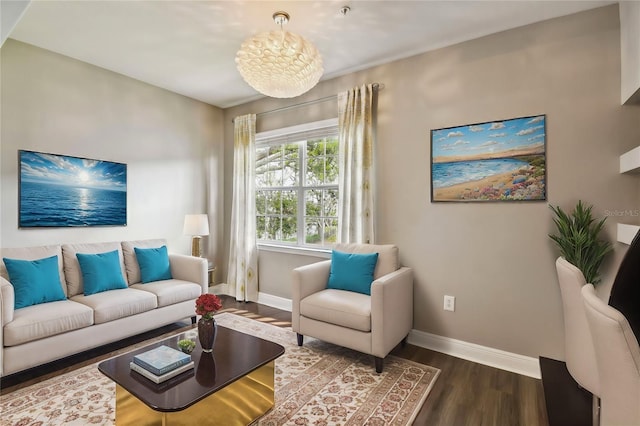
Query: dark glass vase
[[207, 329]]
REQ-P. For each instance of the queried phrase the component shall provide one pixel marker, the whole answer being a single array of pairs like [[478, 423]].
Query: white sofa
[[45, 332]]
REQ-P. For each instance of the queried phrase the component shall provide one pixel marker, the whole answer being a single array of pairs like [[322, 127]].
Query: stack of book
[[161, 363]]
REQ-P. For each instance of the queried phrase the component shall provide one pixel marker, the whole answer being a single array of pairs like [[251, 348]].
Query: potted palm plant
[[578, 240]]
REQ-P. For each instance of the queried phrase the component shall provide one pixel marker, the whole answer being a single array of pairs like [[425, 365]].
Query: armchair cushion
[[388, 260], [339, 307], [352, 271]]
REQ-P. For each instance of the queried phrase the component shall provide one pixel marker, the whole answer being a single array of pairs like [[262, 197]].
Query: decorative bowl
[[186, 345]]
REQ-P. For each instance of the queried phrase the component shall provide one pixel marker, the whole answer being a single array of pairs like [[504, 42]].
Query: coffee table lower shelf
[[239, 403]]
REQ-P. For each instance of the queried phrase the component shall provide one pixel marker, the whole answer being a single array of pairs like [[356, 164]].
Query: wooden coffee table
[[233, 385]]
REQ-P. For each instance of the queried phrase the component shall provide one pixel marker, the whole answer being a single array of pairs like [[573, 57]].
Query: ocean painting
[[493, 161], [61, 191]]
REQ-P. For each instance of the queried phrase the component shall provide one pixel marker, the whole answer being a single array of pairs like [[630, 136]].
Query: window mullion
[[322, 199], [302, 167]]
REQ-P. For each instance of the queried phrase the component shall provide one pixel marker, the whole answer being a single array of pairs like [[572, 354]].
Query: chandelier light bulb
[[279, 64]]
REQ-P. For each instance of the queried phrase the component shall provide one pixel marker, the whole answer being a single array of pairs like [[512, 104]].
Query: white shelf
[[627, 232], [630, 161]]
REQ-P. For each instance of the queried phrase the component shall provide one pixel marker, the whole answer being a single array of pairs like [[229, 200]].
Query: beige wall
[[171, 145], [274, 270], [495, 258]]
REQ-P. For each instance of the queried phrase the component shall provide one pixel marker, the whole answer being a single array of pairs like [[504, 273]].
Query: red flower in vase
[[207, 305]]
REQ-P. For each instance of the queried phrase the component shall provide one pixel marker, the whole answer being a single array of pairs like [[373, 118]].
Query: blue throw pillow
[[101, 272], [154, 264], [34, 281], [352, 271]]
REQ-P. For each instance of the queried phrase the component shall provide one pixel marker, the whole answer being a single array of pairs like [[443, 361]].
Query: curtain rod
[[377, 86]]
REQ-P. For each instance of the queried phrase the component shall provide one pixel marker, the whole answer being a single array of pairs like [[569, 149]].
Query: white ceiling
[[189, 47]]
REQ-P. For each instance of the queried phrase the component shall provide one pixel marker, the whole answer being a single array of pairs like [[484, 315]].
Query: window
[[297, 185]]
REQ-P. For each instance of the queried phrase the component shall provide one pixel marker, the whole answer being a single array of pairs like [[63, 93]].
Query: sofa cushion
[[33, 253], [114, 304], [339, 307], [387, 256], [352, 271], [171, 291], [72, 271], [130, 260], [101, 272], [48, 319], [154, 264], [34, 281]]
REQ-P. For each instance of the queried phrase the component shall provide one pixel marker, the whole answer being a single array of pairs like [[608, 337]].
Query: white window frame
[[294, 134]]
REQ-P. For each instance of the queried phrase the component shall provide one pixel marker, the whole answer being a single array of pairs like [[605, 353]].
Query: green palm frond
[[577, 238]]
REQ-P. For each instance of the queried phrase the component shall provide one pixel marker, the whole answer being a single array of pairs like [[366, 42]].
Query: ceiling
[[189, 47]]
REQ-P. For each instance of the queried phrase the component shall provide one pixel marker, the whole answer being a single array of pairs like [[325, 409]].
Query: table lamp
[[196, 225]]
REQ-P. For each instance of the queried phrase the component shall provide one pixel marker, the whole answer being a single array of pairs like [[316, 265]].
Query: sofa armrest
[[391, 310], [307, 280], [190, 268], [6, 314], [7, 302]]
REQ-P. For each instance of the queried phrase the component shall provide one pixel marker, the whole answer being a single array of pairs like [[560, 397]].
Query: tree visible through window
[[297, 191]]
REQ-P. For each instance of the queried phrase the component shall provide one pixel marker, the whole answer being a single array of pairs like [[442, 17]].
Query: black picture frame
[[502, 160], [64, 191]]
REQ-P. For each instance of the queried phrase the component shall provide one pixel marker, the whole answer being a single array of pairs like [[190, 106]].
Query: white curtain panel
[[356, 125], [242, 276]]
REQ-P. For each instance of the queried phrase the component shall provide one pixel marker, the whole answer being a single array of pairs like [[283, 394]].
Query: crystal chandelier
[[279, 64]]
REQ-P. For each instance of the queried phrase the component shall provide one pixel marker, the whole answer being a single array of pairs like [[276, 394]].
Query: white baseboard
[[274, 301], [485, 355]]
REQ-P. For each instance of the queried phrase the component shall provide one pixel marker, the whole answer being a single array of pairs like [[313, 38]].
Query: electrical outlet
[[449, 303]]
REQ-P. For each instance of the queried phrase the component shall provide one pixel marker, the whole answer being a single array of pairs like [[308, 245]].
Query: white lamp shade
[[196, 224]]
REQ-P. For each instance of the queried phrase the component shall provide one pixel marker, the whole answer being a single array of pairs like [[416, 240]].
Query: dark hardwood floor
[[465, 393]]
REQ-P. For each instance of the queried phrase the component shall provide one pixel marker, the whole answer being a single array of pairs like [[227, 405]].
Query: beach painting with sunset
[[60, 191], [492, 161]]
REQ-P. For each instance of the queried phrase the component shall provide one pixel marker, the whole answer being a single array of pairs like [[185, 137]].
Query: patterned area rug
[[317, 384]]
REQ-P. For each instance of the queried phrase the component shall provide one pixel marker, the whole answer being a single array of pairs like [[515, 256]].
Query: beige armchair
[[618, 360], [372, 324]]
